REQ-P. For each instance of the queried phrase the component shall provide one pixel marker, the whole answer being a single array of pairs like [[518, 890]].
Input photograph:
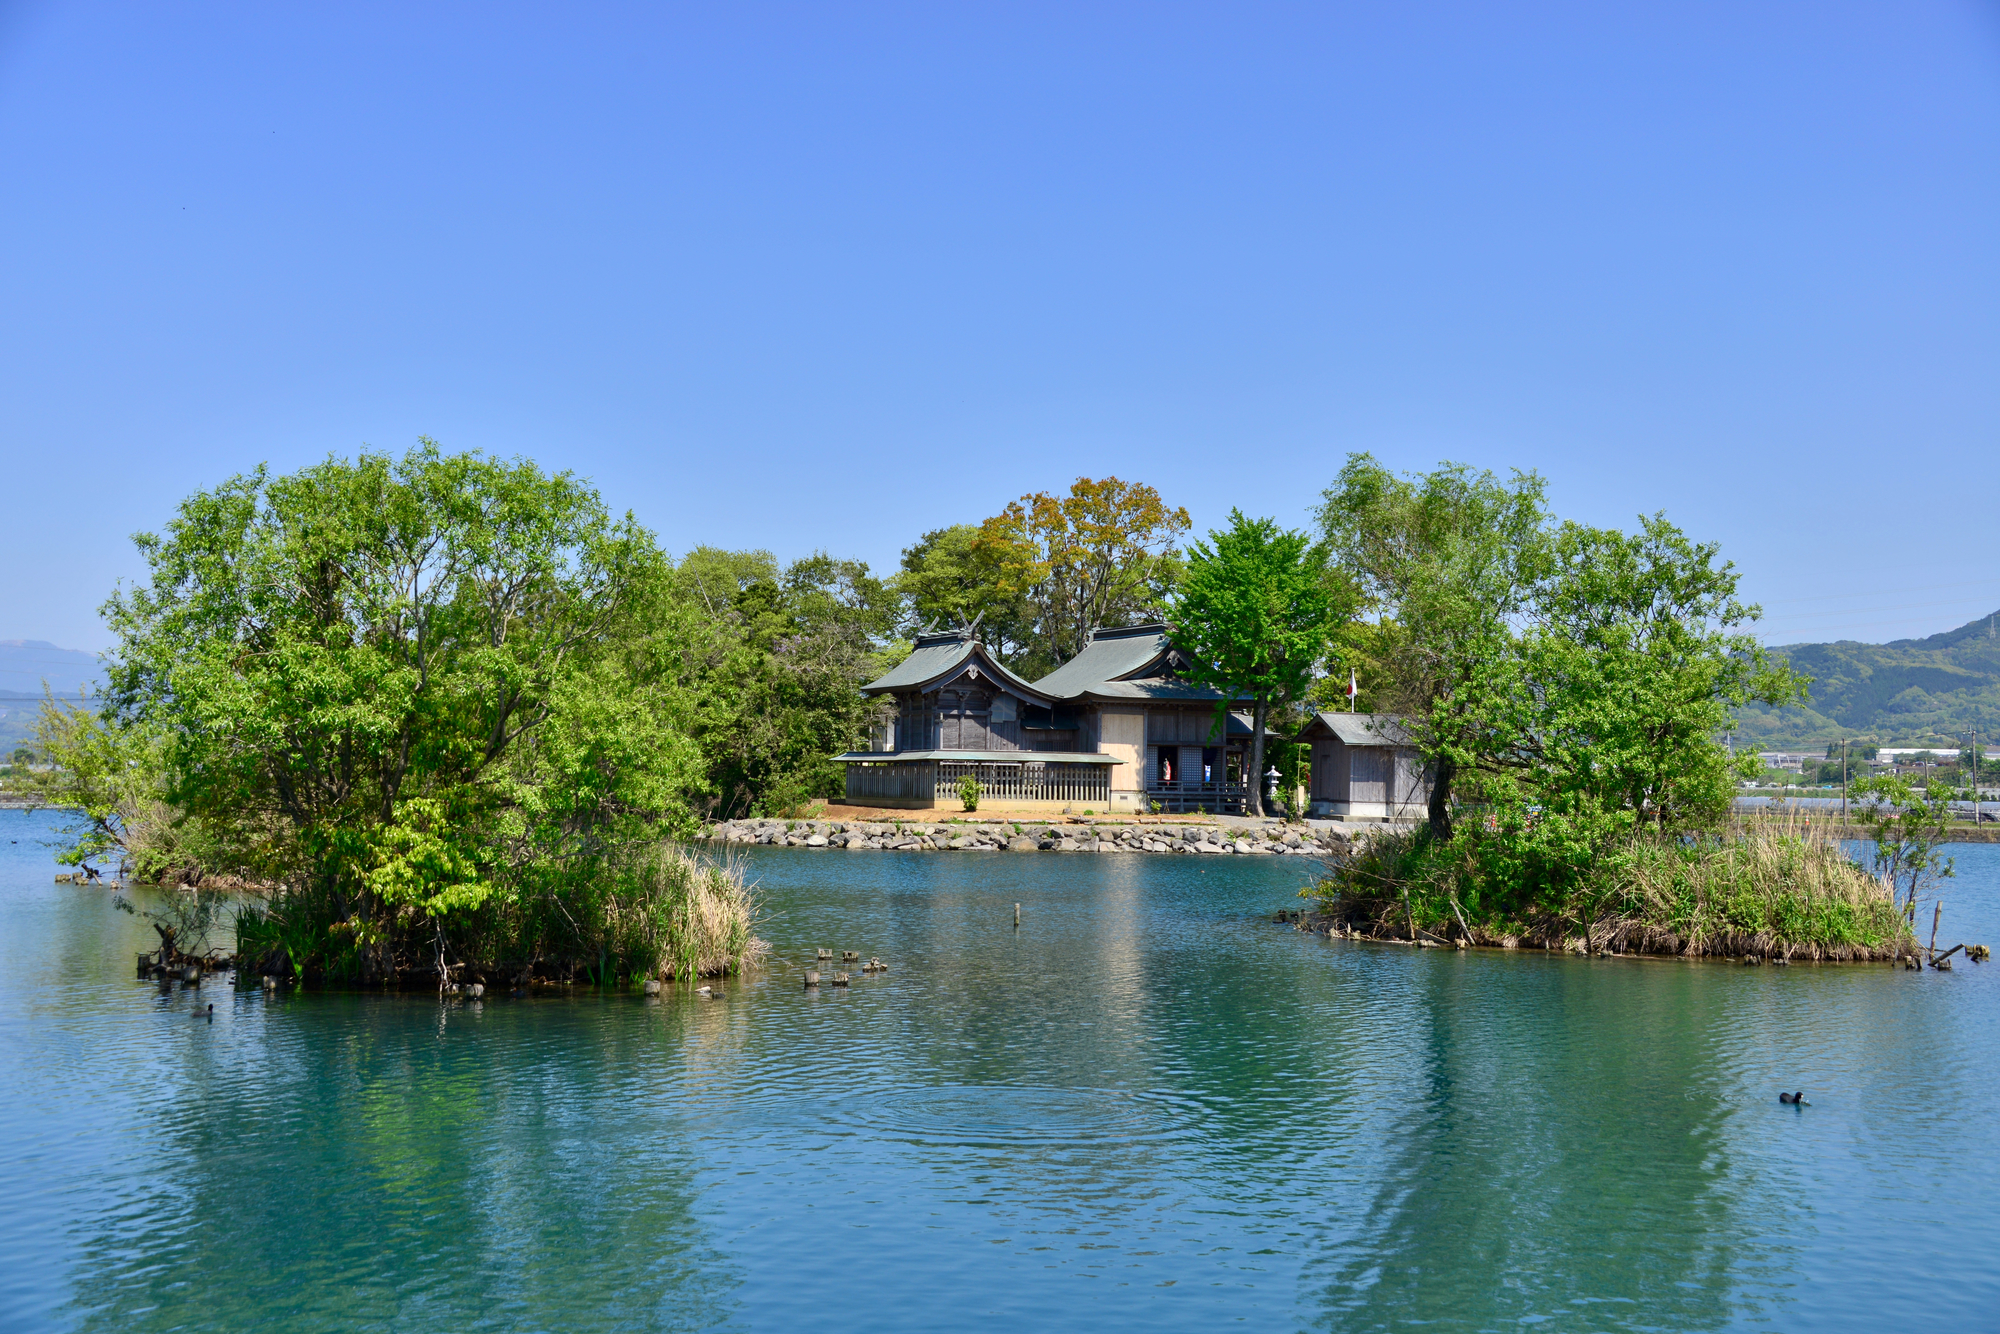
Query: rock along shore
[[1272, 840]]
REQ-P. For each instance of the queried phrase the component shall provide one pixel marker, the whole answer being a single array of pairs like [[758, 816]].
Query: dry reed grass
[[695, 912]]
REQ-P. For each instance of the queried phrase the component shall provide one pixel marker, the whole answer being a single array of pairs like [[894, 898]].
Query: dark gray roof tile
[[938, 656], [1363, 729]]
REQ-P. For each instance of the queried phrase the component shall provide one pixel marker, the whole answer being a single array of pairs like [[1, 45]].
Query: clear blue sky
[[827, 276]]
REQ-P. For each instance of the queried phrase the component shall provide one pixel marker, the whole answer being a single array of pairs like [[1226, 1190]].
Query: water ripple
[[1146, 1106], [1002, 1117]]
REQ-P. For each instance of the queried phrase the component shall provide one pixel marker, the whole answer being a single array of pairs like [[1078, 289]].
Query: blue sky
[[827, 276]]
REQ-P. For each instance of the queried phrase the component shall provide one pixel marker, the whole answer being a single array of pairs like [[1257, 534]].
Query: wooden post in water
[[1017, 917], [1937, 912]]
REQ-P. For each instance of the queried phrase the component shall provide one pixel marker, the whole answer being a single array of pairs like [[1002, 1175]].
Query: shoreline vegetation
[[1779, 890], [665, 914], [668, 915]]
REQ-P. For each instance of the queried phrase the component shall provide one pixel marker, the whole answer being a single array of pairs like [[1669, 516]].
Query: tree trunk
[[1258, 713], [1440, 808]]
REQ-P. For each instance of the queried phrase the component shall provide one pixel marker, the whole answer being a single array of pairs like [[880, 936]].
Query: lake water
[[1148, 1106]]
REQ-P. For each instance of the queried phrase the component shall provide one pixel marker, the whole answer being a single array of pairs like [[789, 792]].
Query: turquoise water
[[1146, 1105]]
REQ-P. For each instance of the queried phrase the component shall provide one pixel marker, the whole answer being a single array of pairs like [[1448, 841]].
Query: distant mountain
[[24, 665], [1910, 692]]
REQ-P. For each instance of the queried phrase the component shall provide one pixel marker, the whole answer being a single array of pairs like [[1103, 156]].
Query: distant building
[[1364, 767]]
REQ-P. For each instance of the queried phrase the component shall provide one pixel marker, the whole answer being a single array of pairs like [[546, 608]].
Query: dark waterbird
[[1794, 1099]]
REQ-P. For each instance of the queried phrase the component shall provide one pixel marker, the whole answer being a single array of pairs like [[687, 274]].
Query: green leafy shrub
[[1779, 879]]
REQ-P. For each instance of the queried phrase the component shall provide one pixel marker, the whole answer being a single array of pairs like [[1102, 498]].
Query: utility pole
[[1843, 782]]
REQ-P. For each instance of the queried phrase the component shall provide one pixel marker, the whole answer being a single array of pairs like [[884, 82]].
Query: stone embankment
[[23, 801], [1271, 840]]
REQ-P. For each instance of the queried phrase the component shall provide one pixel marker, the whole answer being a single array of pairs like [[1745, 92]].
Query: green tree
[[1908, 824], [92, 770], [774, 660], [1103, 555], [1636, 654], [404, 685], [951, 579], [110, 779], [1449, 557], [713, 579], [1255, 616], [1633, 657]]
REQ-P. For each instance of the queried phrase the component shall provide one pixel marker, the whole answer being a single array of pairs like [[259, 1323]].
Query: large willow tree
[[1446, 561], [405, 686]]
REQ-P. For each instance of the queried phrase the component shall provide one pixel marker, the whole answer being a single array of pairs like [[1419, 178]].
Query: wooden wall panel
[[1123, 734], [1371, 770]]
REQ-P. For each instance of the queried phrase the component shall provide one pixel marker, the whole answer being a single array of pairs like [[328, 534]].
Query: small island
[[443, 719]]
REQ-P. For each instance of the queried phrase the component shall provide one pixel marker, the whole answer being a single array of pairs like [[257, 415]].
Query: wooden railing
[[938, 780], [1029, 781], [1214, 798]]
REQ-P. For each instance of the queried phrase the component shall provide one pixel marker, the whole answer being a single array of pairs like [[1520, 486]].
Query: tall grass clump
[[678, 915], [1774, 888], [655, 910]]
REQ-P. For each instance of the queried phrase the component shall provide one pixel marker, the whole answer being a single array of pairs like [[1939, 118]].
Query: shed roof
[[1361, 729], [940, 656], [1110, 662]]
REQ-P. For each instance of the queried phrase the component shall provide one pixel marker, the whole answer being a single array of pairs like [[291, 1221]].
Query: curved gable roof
[[1109, 655], [1129, 662], [939, 657]]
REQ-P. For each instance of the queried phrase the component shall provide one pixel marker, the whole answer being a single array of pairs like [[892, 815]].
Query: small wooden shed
[[1364, 767]]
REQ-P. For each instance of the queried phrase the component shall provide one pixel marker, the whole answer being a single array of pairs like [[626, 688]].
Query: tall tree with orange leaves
[[1105, 554]]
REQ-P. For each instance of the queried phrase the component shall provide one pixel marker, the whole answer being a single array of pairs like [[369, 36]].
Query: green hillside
[[1910, 692]]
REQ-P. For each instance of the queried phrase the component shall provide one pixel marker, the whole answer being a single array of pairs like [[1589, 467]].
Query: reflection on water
[[1560, 1157], [371, 1166], [1146, 1104]]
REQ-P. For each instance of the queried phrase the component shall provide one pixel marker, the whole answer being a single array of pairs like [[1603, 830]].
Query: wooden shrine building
[[1115, 728]]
